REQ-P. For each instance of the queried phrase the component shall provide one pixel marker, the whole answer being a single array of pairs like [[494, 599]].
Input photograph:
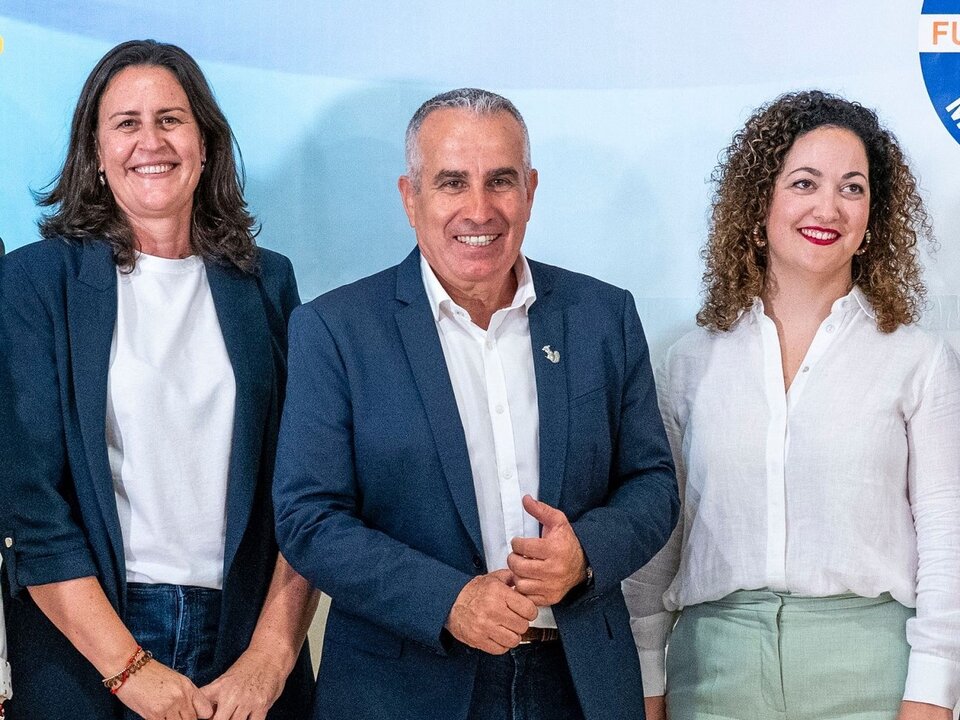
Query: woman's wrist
[[277, 654], [114, 682]]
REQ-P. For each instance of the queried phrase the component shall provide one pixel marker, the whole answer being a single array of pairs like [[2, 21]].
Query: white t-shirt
[[170, 406]]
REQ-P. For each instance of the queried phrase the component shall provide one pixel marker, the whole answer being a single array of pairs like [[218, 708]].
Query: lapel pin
[[552, 355]]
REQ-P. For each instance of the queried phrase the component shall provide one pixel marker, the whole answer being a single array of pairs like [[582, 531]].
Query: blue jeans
[[530, 682], [178, 624]]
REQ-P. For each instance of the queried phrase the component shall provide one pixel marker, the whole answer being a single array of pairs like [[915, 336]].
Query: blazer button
[[477, 562]]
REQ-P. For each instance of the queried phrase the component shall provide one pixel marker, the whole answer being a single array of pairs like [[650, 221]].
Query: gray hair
[[479, 102]]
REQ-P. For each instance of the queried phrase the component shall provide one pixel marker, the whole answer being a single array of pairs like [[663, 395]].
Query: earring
[[101, 176], [757, 237], [203, 164], [867, 237]]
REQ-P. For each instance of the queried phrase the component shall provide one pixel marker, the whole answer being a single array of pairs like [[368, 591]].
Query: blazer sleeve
[[318, 500], [42, 539], [643, 505]]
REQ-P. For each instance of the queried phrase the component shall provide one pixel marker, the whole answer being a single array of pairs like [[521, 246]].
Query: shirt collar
[[441, 302], [853, 300]]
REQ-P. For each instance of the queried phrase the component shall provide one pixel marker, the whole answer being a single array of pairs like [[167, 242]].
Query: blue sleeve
[[643, 505], [42, 541]]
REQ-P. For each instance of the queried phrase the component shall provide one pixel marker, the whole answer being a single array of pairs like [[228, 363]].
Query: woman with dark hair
[[142, 371], [816, 431]]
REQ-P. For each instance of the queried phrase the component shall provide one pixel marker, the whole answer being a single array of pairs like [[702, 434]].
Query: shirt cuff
[[932, 679], [6, 688], [653, 672]]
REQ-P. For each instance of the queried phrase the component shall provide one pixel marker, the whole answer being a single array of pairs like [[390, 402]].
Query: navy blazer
[[58, 305], [376, 505]]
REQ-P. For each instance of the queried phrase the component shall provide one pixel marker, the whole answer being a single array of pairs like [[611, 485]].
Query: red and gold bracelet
[[140, 658]]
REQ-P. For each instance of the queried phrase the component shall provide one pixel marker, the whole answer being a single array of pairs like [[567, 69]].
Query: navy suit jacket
[[58, 304], [375, 500]]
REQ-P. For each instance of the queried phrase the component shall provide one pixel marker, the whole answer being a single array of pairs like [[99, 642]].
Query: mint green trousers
[[760, 655]]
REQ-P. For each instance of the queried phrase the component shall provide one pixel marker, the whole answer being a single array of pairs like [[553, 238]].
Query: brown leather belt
[[538, 634]]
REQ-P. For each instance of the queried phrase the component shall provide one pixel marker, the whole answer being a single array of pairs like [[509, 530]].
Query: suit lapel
[[422, 344], [547, 330], [243, 323], [92, 316]]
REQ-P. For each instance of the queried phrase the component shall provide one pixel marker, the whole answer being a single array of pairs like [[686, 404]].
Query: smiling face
[[149, 144], [820, 207], [472, 201]]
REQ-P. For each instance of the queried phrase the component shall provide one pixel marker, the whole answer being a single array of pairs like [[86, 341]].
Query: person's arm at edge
[[6, 687], [933, 677], [643, 591]]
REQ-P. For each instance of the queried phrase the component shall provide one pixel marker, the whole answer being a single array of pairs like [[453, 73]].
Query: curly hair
[[222, 230], [888, 273]]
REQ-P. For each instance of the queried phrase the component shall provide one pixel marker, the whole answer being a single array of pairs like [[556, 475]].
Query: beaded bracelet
[[140, 658]]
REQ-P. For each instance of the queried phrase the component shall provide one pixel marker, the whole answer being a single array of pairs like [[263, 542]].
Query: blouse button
[[829, 328], [805, 368]]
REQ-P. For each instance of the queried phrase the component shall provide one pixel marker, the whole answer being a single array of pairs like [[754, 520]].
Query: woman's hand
[[923, 711], [655, 707], [157, 692], [249, 688]]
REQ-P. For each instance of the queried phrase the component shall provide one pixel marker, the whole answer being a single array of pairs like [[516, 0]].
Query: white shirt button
[[805, 368], [490, 344], [829, 328], [499, 408], [507, 474]]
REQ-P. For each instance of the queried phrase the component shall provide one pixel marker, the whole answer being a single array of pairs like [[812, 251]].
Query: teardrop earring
[[867, 237]]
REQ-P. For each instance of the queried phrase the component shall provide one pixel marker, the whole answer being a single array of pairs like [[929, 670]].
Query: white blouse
[[848, 483]]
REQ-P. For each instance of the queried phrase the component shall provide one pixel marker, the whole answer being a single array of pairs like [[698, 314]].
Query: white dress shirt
[[493, 381], [170, 405], [847, 483]]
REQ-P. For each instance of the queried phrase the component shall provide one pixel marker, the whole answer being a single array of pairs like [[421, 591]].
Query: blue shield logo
[[939, 43]]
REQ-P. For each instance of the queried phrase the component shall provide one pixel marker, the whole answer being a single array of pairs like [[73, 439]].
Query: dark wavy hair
[[889, 272], [222, 229]]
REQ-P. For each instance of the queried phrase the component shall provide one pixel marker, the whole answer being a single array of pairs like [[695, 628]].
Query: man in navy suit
[[471, 456]]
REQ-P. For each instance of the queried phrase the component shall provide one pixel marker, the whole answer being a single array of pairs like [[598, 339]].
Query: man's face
[[471, 209]]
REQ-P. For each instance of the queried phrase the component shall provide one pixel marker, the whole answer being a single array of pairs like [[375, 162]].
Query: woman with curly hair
[[816, 431]]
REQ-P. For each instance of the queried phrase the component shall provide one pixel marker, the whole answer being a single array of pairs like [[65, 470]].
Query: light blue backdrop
[[628, 103]]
